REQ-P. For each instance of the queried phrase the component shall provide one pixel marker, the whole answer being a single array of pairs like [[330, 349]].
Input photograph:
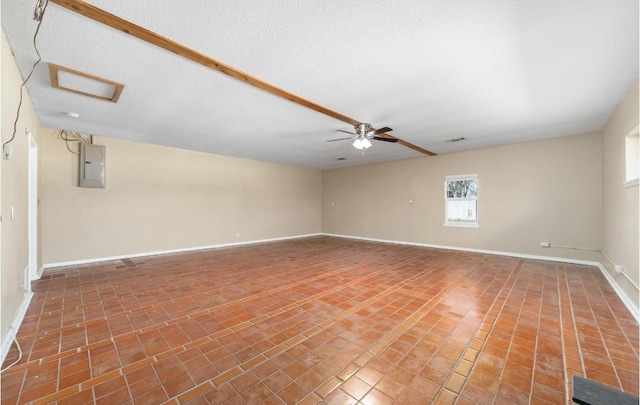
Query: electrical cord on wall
[[68, 136], [38, 13], [15, 339]]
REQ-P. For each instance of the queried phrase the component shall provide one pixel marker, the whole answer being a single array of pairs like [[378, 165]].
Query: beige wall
[[14, 248], [619, 203], [159, 199], [528, 193]]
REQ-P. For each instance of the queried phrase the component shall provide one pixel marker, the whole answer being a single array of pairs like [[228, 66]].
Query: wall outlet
[[619, 268], [545, 244], [6, 151]]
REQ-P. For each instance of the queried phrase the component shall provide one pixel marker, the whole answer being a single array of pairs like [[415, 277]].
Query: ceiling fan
[[364, 133]]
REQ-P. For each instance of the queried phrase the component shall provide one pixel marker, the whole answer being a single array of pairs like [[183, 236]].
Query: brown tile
[[292, 393], [120, 396], [279, 380], [256, 394], [178, 385], [110, 386], [311, 399], [375, 397], [445, 398], [390, 387], [455, 383], [339, 397], [37, 391], [155, 396], [463, 368], [477, 394], [226, 376], [355, 387], [311, 381], [328, 387], [80, 398], [470, 355], [348, 371], [220, 394], [401, 375], [212, 317], [295, 369]]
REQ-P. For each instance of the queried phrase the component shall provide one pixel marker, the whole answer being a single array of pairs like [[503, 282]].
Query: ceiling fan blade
[[339, 139], [346, 132], [392, 140], [381, 131]]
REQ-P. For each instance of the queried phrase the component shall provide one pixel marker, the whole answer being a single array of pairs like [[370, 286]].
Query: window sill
[[461, 224], [631, 183]]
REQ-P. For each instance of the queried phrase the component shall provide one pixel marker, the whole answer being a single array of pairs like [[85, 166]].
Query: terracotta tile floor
[[321, 320]]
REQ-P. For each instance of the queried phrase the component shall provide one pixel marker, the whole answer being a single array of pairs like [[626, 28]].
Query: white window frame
[[464, 224]]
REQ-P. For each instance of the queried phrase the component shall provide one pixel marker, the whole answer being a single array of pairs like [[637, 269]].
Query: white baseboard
[[625, 299], [463, 249], [15, 325], [633, 309], [171, 251]]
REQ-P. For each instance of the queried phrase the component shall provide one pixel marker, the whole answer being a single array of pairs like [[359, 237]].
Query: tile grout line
[[145, 307], [224, 332], [227, 274], [464, 351], [125, 314], [535, 347], [624, 332], [390, 337], [595, 324], [563, 289], [498, 303], [325, 325], [156, 326]]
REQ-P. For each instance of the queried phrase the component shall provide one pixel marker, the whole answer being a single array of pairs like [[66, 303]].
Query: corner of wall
[[8, 339], [622, 284]]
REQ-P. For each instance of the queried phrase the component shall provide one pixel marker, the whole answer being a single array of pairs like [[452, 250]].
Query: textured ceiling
[[493, 72]]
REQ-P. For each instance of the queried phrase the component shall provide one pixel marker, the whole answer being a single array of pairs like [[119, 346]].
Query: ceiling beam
[[416, 148], [120, 24]]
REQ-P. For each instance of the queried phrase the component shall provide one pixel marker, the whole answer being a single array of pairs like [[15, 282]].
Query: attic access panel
[[68, 79]]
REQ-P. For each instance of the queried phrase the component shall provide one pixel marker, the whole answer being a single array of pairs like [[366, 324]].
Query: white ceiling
[[491, 71]]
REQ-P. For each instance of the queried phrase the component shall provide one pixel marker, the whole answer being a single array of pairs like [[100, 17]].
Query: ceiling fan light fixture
[[358, 143], [366, 143]]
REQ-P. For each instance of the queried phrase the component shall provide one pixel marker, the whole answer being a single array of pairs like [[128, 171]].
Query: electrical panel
[[92, 165]]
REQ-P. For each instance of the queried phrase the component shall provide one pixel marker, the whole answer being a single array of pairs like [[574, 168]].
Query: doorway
[[32, 273]]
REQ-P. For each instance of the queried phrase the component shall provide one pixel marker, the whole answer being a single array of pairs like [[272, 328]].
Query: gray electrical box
[[92, 165]]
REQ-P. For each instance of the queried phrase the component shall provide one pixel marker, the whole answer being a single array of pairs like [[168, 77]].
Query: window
[[461, 200], [632, 147]]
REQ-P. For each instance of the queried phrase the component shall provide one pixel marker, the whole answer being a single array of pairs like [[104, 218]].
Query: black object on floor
[[587, 392]]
